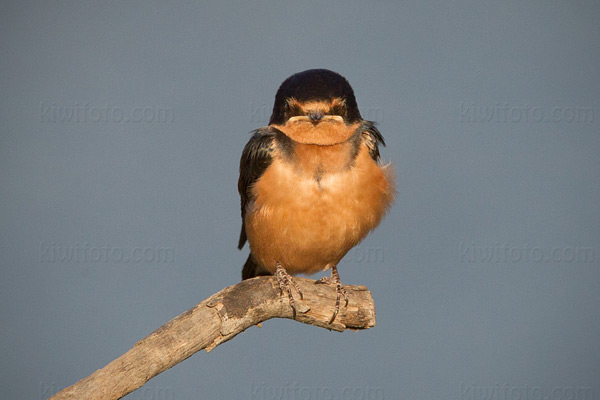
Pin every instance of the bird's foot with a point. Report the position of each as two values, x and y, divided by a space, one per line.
341 291
284 279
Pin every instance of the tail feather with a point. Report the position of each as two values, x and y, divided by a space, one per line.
252 269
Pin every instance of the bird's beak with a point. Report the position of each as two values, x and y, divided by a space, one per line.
315 116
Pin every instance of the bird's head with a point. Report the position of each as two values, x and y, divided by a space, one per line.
316 106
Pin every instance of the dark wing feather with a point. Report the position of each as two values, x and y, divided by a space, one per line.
372 139
256 157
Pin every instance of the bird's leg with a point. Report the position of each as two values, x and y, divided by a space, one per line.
284 279
341 291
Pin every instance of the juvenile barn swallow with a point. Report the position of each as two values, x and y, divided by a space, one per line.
311 183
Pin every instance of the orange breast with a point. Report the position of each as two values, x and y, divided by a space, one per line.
309 224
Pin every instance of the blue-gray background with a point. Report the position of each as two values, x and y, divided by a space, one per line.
122 123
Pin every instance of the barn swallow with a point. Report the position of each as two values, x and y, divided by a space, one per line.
311 183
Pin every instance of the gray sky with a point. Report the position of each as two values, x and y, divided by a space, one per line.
122 127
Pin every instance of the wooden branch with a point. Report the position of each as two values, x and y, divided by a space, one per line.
217 320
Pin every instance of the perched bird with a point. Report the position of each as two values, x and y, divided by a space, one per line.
311 184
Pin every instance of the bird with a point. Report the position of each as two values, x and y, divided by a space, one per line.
311 183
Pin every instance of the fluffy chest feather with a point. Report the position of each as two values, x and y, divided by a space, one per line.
311 209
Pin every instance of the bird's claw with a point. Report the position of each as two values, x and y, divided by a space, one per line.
341 291
284 279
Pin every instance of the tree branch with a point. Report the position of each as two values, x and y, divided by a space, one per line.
217 320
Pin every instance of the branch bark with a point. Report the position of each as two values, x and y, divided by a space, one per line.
217 320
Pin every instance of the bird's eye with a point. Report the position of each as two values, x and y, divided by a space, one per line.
292 110
338 110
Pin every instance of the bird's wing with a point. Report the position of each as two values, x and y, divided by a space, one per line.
256 157
373 139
